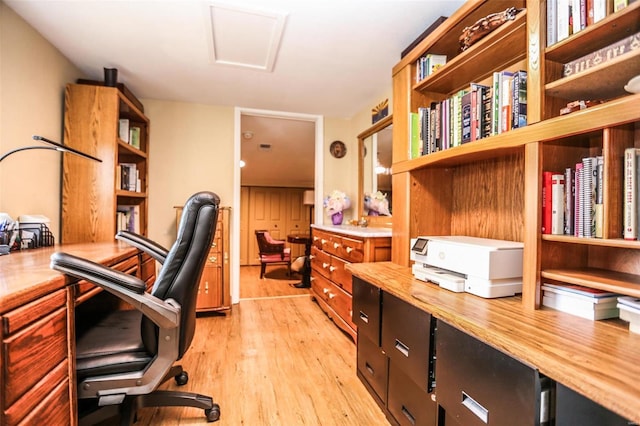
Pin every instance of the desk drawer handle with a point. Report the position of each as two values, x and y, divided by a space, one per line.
402 348
349 249
364 317
336 245
408 415
473 406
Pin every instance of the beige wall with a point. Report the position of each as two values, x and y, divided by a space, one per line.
191 149
33 75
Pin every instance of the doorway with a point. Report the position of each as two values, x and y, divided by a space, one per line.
265 152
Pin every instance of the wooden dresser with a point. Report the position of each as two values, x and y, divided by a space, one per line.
214 292
334 247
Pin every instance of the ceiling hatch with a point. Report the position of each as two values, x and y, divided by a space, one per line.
243 37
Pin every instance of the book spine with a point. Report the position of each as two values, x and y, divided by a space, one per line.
466 117
587 197
577 205
599 197
552 23
546 202
486 112
519 114
557 204
415 136
599 10
569 195
432 128
505 106
495 106
630 202
563 19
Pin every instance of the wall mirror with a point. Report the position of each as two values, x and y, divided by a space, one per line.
375 170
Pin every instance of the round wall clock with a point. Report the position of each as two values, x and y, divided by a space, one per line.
338 149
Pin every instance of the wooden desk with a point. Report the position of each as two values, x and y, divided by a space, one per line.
37 311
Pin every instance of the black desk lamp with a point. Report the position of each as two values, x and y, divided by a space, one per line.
55 146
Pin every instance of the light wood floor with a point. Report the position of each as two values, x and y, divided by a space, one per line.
276 359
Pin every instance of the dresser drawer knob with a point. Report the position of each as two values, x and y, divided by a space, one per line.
311 256
325 290
349 249
213 259
331 295
336 245
325 265
323 241
214 245
315 238
332 268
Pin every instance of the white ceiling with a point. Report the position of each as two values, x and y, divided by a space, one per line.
332 57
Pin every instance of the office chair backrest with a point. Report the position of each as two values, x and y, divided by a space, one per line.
180 274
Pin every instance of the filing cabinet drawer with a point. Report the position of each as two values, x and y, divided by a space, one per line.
407 336
32 353
372 367
480 385
367 309
575 409
409 404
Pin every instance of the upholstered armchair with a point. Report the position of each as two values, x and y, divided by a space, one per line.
272 252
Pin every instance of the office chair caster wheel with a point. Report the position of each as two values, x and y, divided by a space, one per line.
182 378
213 413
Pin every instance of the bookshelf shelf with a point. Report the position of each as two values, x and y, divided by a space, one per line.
602 82
603 242
596 36
503 47
602 279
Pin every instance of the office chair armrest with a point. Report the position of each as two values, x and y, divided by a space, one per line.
148 246
165 314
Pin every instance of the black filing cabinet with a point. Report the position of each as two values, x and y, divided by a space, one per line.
407 339
574 409
480 385
372 361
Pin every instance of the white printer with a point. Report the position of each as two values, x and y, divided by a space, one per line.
481 266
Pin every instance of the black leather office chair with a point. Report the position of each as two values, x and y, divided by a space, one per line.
121 361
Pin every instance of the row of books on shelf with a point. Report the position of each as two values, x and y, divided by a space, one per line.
129 133
128 218
428 64
572 200
568 17
471 114
128 177
593 304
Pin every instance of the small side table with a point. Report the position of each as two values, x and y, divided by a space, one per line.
306 272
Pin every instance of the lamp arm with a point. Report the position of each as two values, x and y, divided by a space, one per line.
56 147
24 148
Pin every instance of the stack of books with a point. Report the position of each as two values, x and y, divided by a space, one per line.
581 301
630 312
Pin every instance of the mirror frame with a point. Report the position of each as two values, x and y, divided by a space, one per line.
379 221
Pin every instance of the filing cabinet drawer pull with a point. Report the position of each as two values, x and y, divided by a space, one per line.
336 245
408 415
473 406
349 249
402 348
369 369
364 317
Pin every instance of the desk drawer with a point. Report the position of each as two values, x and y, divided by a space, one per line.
407 336
32 353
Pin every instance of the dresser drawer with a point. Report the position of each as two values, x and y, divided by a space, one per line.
350 249
367 310
321 239
340 275
32 353
340 301
372 366
407 336
321 262
408 403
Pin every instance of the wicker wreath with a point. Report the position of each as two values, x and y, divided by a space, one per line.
484 26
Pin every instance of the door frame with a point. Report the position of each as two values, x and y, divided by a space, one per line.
235 212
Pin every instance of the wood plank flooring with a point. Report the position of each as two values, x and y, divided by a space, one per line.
276 359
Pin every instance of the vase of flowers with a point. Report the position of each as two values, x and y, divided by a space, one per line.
376 204
335 204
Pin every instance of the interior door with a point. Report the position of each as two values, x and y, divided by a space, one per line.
267 210
297 219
